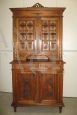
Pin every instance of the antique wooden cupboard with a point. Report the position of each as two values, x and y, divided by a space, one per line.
37 66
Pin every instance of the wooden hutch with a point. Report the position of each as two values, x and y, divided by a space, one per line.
37 66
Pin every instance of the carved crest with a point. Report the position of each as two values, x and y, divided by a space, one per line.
37 5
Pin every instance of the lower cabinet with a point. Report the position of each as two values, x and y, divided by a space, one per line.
37 88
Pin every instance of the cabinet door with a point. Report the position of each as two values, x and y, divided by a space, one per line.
48 88
50 37
24 37
26 88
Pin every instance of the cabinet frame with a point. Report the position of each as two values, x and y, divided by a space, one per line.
37 69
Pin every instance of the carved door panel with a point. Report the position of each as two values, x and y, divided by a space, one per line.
26 88
48 88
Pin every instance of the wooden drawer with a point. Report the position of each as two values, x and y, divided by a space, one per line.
44 67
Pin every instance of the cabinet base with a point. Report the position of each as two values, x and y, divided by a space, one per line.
15 106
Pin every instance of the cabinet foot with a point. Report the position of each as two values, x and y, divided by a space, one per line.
14 108
60 109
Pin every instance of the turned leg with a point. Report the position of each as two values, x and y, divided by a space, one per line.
14 108
60 109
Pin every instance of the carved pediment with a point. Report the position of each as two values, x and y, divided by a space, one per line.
37 5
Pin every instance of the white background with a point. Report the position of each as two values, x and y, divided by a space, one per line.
69 42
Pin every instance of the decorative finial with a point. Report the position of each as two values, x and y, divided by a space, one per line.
37 5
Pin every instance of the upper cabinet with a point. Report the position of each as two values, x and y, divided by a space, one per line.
37 31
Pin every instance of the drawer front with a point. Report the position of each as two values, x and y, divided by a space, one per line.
44 67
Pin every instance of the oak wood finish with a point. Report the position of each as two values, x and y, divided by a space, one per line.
37 66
